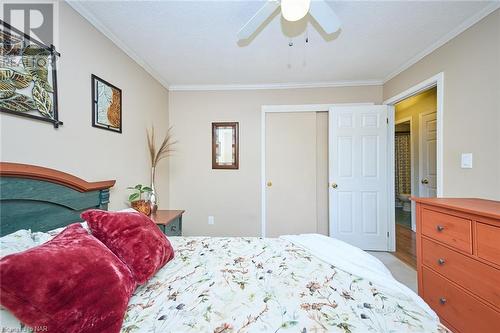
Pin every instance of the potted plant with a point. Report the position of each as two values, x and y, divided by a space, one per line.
137 200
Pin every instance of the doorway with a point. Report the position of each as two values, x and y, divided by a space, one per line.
415 156
437 82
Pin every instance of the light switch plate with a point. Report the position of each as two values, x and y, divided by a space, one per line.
466 161
211 220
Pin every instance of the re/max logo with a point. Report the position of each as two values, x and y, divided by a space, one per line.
34 19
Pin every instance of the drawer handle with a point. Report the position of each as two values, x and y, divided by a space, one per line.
439 228
442 300
441 261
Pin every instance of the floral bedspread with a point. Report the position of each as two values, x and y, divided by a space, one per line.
264 285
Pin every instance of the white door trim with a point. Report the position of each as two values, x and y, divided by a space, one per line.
284 108
412 168
438 82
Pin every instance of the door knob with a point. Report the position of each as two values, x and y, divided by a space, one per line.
425 181
269 184
334 185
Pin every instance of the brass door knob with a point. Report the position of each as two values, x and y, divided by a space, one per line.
334 185
424 181
269 184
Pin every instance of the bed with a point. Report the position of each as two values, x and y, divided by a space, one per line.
305 283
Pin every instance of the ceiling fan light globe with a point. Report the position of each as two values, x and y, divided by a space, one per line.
294 10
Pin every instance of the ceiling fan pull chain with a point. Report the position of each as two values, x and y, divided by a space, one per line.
304 61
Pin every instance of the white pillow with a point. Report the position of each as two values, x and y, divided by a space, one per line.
16 242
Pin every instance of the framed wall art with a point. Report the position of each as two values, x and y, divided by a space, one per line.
106 105
28 76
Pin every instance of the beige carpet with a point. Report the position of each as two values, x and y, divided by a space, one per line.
401 271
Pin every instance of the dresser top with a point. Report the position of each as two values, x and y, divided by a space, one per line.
488 208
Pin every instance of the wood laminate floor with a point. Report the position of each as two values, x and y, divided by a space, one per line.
406 248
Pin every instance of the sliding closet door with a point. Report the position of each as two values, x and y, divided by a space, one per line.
291 204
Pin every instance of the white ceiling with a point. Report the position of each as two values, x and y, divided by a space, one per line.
192 44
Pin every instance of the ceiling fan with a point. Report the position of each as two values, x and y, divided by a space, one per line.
293 10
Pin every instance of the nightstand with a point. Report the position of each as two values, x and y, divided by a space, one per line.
169 221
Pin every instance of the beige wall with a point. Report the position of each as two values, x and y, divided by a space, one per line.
471 66
76 147
412 108
233 197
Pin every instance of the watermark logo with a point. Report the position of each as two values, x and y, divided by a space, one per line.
38 19
24 329
28 59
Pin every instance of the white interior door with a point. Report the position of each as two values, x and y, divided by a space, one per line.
428 155
358 175
290 173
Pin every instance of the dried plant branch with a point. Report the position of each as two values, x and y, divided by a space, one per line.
151 143
166 148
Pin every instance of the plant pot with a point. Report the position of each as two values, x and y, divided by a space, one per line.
142 206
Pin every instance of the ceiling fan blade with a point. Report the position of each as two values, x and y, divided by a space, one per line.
325 16
256 21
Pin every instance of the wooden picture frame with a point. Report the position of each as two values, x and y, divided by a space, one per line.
225 145
106 105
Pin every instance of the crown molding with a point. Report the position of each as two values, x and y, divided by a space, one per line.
269 86
85 13
446 38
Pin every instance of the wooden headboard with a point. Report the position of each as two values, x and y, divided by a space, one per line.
42 199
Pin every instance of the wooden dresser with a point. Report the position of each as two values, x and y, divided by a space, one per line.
458 261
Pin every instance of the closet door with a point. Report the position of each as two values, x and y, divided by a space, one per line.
291 206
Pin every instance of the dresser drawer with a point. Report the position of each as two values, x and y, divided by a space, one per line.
452 230
488 242
453 305
481 279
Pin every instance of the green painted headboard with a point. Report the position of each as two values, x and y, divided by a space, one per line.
42 199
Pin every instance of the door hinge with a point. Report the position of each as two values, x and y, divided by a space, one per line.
387 234
387 120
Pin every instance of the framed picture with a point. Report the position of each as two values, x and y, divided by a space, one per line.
225 145
28 80
106 105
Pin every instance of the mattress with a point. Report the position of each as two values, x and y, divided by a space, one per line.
272 285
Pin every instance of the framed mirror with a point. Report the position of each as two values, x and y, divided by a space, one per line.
225 145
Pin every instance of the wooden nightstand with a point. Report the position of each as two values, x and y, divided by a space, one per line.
169 221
